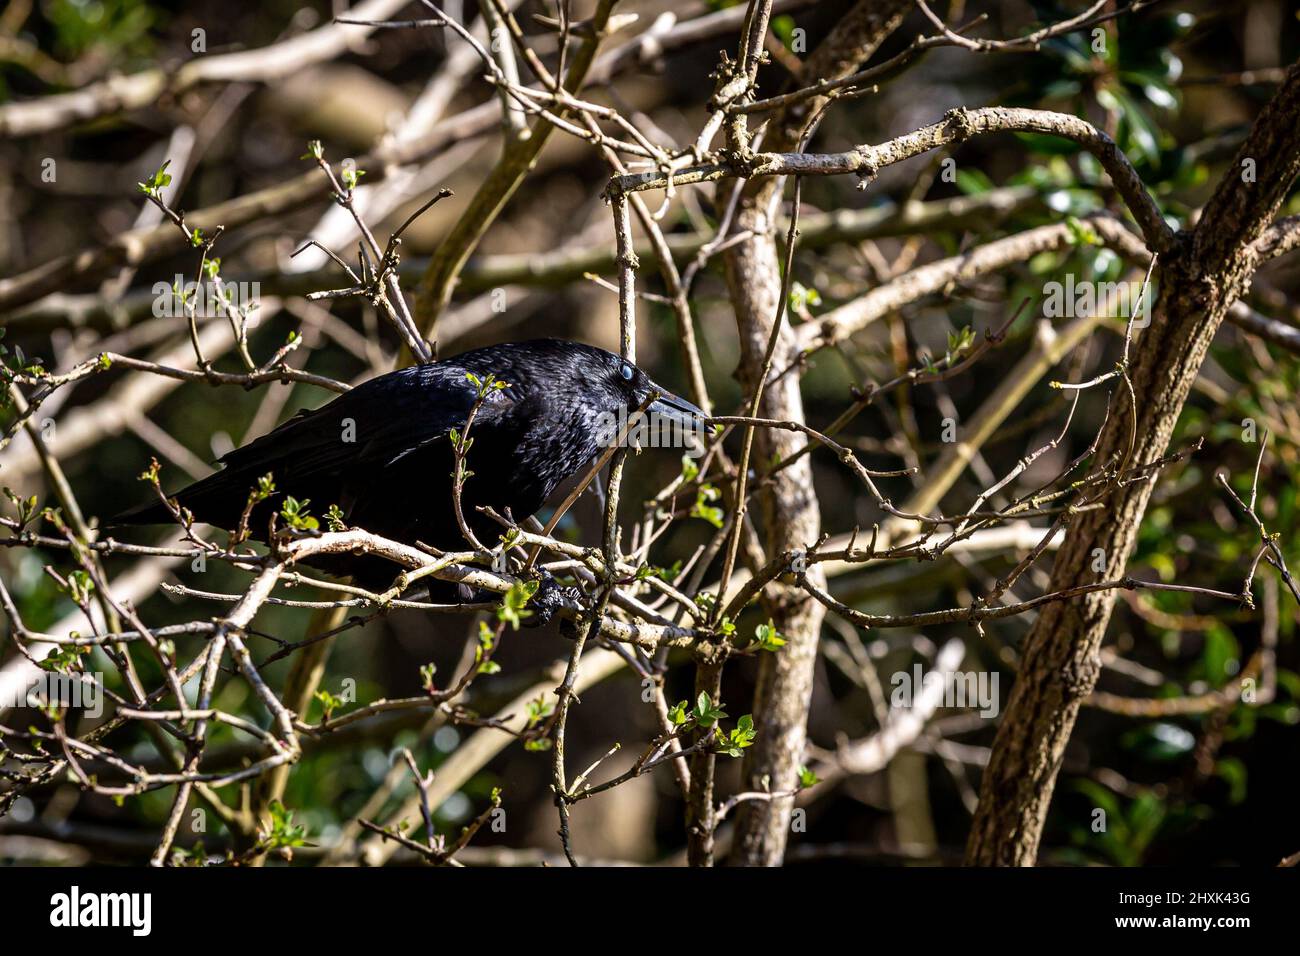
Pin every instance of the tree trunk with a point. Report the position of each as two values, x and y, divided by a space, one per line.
791 515
1200 278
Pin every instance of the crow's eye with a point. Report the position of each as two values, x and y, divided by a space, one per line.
627 372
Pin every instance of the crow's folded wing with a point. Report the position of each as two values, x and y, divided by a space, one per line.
370 426
366 429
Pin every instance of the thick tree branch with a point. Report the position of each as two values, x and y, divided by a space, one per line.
1199 280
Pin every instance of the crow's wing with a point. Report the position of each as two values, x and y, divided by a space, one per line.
370 426
360 432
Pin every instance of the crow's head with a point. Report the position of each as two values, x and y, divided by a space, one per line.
588 391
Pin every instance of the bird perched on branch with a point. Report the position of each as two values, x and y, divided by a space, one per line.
383 452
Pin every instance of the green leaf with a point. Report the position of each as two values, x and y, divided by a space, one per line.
329 703
282 832
334 519
707 714
65 660
539 708
741 737
296 516
1234 774
647 571
512 610
482 654
349 175
703 507
973 182
767 638
158 181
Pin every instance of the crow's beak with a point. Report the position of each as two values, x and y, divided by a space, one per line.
675 409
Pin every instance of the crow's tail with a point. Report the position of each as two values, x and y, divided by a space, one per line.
217 500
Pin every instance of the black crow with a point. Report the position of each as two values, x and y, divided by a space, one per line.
382 451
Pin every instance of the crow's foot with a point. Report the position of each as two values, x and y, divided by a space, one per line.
550 598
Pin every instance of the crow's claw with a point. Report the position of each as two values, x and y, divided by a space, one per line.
550 597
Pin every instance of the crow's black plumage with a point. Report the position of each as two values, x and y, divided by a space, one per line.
382 451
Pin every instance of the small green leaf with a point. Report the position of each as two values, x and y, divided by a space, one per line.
512 610
703 508
157 182
334 519
295 514
767 638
